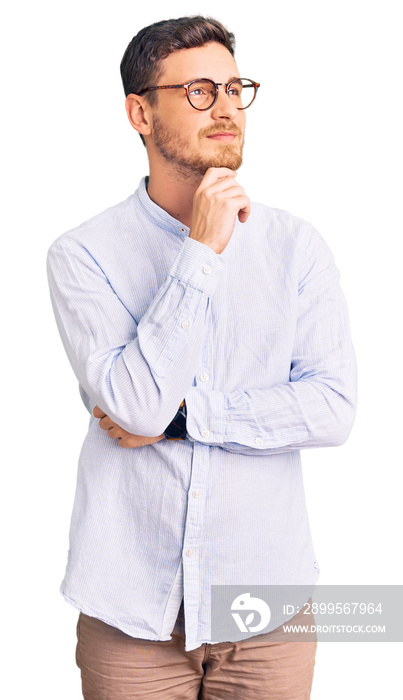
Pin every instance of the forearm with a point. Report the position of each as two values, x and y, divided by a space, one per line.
292 416
137 374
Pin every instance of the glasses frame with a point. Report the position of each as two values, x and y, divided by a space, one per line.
186 86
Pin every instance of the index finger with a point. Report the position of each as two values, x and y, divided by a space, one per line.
213 174
98 412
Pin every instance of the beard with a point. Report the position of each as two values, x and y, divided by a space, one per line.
176 150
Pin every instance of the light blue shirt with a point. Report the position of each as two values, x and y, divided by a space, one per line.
257 341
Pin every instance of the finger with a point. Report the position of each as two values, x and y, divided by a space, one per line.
122 442
105 423
98 412
224 184
220 193
129 441
212 175
238 197
244 212
228 189
115 432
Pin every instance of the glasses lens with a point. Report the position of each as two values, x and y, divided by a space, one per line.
242 91
201 93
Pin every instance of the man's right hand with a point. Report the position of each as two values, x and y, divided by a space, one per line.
217 202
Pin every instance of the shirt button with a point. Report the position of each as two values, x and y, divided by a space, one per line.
207 270
196 494
183 229
205 433
190 552
258 441
185 324
204 377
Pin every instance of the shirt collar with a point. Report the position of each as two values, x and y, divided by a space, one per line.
158 215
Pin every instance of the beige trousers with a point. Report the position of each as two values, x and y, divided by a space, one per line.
115 666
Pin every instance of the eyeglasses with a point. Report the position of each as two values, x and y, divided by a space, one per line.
202 93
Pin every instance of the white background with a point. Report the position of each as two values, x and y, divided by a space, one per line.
324 142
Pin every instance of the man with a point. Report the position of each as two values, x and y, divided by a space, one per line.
210 339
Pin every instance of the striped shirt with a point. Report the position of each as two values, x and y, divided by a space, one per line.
257 341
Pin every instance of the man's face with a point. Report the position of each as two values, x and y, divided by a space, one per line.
191 140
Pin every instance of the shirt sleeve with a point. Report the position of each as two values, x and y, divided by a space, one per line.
316 407
138 374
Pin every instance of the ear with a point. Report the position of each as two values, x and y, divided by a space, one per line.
137 110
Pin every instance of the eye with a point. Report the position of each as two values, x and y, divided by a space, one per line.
202 88
235 90
197 92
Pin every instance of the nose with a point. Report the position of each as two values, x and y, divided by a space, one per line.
224 107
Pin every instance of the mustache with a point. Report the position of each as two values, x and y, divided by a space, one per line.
220 129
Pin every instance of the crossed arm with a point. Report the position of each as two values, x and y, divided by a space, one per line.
138 379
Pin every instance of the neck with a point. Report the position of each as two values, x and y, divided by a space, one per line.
173 190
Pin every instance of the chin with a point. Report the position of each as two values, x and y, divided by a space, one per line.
230 160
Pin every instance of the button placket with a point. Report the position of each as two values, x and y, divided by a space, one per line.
197 497
192 535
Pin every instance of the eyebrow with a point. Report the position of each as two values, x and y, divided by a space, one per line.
235 77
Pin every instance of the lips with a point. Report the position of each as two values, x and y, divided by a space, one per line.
222 136
219 132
